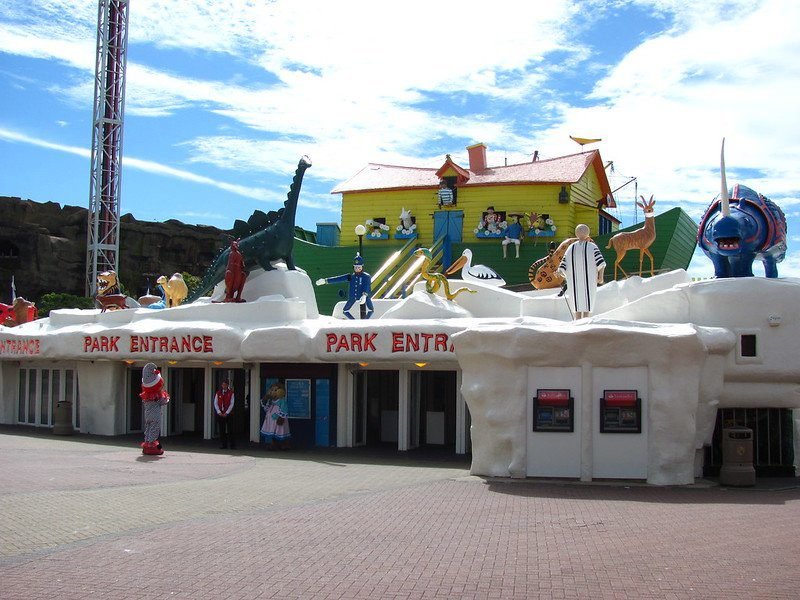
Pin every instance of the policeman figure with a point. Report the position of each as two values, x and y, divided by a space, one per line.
360 287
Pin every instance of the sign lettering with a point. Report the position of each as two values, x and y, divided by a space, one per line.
397 342
139 344
14 347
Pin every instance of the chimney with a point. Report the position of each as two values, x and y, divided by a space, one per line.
477 157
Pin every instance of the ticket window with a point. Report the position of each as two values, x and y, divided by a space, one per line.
620 412
553 410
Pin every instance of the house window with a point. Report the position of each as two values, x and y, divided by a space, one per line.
747 345
604 225
451 185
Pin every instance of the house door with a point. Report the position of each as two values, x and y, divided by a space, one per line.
448 224
322 413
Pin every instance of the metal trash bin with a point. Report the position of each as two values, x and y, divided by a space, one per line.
62 419
737 457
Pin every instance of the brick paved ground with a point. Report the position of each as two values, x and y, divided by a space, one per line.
86 518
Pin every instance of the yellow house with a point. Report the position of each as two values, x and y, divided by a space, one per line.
561 192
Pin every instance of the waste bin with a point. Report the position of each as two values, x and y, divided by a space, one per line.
62 419
737 457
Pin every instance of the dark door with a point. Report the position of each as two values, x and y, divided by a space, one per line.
447 225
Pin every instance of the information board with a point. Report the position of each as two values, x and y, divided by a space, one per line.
298 398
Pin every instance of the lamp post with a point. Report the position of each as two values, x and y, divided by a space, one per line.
360 231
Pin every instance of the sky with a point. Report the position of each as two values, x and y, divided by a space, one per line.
224 96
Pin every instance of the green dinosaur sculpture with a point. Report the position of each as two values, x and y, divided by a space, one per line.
273 240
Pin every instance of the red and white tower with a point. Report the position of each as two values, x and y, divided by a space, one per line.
107 126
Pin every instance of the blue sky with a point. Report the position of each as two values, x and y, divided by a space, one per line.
224 97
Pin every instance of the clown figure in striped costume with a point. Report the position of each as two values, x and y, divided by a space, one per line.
154 397
582 267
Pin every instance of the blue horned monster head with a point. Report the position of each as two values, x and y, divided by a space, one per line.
740 227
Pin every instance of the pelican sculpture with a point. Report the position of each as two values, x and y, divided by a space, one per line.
474 273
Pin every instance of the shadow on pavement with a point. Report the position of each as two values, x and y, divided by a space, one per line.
381 455
704 491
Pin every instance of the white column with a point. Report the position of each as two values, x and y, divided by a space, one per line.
166 375
403 389
461 418
344 407
208 392
255 402
587 423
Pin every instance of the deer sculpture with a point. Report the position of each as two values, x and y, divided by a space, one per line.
640 239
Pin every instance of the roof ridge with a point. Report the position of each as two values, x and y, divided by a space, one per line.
541 160
401 167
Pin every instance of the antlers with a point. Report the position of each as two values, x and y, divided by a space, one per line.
645 205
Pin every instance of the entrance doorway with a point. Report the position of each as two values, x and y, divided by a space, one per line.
239 381
135 415
773 440
432 409
186 388
375 411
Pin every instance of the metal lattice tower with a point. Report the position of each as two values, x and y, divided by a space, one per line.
107 126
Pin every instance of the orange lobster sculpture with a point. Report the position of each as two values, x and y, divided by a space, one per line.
18 312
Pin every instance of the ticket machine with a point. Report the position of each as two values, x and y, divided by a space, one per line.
620 412
553 410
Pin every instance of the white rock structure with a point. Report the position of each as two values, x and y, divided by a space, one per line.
633 392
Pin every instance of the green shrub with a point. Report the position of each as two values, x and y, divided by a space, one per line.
192 282
55 300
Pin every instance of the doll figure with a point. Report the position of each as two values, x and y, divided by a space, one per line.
359 288
445 194
275 428
582 267
513 233
154 397
491 221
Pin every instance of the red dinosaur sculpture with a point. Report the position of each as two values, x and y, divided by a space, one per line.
235 274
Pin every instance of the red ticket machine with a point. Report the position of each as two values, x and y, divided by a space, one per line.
553 410
620 412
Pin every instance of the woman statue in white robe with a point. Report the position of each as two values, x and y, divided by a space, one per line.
582 267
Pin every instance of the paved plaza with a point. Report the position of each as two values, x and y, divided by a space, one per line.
88 517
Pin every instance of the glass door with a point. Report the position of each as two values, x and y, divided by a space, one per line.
40 390
135 409
175 388
360 408
415 392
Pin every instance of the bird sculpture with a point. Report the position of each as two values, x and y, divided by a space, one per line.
474 273
584 141
435 281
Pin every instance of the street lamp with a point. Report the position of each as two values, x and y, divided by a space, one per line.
360 231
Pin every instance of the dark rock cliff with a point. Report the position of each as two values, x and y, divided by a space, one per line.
43 245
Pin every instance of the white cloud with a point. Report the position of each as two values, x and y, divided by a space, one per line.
345 72
663 110
347 84
262 194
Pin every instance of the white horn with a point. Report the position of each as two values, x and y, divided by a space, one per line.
726 207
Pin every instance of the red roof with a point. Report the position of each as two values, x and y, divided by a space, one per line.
563 169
